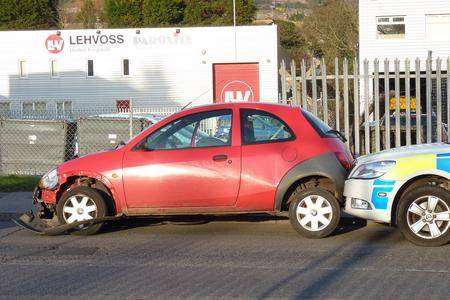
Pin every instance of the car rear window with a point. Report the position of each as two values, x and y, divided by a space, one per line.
321 128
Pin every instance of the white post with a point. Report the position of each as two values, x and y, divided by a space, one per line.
131 118
234 28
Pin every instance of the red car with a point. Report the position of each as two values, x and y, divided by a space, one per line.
215 159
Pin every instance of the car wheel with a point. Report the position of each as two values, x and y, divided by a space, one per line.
314 212
80 204
423 216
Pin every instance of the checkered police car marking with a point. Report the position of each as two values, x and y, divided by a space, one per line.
443 162
405 167
380 193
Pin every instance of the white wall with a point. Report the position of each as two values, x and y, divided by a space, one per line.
416 42
165 70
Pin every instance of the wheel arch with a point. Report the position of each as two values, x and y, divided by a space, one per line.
314 180
90 180
416 181
323 170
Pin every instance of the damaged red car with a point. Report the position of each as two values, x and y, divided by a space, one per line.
215 159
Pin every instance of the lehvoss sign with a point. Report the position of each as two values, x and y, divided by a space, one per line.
237 91
96 39
83 42
54 44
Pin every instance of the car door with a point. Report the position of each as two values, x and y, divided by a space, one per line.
190 162
268 149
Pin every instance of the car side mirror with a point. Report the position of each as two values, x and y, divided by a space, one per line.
141 147
120 144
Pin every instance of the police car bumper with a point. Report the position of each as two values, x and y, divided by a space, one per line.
358 195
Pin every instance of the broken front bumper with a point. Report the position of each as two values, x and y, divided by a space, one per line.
43 210
43 220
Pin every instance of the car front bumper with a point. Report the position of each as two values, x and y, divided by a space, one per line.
44 210
378 197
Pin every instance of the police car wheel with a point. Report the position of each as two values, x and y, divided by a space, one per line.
423 216
314 212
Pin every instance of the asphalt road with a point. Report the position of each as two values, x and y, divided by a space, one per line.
237 257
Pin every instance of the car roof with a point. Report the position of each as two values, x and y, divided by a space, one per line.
229 105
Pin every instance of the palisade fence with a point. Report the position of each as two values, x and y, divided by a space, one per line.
32 143
389 104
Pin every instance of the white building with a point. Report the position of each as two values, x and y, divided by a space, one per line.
403 29
41 70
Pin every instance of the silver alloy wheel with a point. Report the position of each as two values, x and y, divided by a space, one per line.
79 208
314 213
428 217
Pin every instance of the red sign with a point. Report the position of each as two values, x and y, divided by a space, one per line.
123 105
237 91
54 44
236 82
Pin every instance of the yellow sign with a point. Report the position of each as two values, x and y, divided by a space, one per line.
402 101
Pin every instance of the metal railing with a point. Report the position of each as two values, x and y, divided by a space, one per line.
377 105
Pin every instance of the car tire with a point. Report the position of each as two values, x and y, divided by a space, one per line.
308 218
81 203
423 216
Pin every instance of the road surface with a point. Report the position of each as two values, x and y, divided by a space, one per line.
222 257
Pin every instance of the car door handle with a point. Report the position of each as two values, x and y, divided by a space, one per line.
220 157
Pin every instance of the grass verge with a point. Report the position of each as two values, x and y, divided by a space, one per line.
15 183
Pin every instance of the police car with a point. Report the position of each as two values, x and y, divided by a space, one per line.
408 187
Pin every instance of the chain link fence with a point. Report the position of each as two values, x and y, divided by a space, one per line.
31 143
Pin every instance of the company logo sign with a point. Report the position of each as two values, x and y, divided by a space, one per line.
99 39
176 39
237 91
54 44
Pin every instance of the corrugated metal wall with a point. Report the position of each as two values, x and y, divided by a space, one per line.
168 66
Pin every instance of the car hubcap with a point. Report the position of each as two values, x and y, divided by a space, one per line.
79 208
314 213
428 217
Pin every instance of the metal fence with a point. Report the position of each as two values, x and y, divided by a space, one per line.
388 104
33 143
377 105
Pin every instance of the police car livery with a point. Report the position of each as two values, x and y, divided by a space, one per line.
408 187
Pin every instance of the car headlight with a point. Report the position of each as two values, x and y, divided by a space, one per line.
50 180
372 170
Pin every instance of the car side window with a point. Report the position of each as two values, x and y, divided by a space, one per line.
263 127
208 129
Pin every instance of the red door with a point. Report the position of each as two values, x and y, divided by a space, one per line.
236 82
190 162
268 150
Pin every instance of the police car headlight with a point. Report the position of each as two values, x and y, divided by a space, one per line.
50 180
372 170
